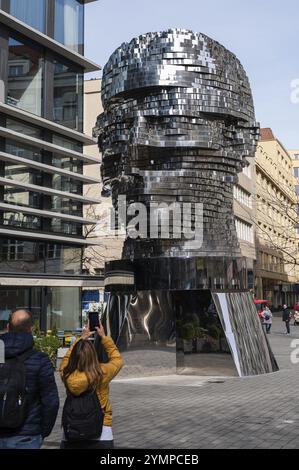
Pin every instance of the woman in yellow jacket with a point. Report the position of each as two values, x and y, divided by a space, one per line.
80 370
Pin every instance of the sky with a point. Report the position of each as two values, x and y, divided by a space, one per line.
264 34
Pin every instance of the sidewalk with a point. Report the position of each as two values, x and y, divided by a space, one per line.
197 413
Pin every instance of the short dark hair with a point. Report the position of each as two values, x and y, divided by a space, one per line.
22 326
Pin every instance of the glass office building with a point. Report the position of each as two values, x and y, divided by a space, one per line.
42 179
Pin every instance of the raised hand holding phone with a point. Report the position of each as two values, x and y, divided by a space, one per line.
100 330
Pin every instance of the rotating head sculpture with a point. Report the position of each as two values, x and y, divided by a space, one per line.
178 126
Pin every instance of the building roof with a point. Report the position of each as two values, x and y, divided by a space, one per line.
267 134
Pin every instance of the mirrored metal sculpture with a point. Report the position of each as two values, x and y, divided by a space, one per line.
177 128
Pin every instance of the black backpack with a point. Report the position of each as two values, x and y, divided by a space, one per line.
13 393
82 417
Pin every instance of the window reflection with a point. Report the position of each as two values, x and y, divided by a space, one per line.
63 308
22 150
31 12
68 95
18 255
21 256
69 24
13 298
22 197
20 220
63 183
66 206
67 163
63 259
25 77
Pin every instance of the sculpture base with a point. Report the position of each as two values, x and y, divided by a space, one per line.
196 273
193 332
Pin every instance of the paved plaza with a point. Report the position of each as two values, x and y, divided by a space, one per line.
204 413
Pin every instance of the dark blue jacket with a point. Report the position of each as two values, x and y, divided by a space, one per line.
41 385
286 314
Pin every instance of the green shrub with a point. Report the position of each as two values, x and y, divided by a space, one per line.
54 331
188 331
215 331
36 329
48 345
200 332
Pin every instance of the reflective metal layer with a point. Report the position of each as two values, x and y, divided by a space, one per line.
178 123
189 332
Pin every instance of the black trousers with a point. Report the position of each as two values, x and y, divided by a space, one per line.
288 326
87 445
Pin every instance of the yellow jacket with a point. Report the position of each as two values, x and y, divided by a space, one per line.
77 382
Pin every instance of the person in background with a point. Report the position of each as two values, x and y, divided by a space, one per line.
267 319
40 391
286 317
81 371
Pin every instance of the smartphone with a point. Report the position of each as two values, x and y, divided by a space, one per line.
93 320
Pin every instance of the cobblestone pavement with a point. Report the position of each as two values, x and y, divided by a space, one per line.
206 413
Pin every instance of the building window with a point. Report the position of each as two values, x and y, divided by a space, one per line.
67 163
69 24
296 172
243 196
63 307
68 95
66 206
39 257
12 250
296 156
247 171
25 77
18 219
22 149
31 12
63 259
244 231
297 189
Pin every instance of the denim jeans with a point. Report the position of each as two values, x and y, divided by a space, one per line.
21 442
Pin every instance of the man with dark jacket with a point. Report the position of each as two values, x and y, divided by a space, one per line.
286 317
43 400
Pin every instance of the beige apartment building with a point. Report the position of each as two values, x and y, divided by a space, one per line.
108 247
276 238
244 209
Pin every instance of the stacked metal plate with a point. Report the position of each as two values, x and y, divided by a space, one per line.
177 126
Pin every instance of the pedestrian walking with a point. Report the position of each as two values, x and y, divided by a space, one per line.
28 393
267 319
286 317
87 413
